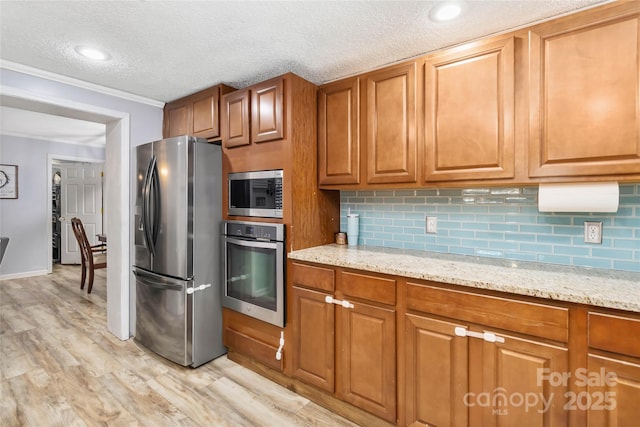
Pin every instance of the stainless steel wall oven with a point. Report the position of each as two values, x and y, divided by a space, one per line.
253 263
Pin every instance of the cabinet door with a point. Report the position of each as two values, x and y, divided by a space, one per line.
391 125
518 378
584 86
613 394
469 113
366 364
436 378
235 126
177 120
313 331
206 117
338 133
267 111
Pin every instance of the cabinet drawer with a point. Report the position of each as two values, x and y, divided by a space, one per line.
518 316
614 333
313 277
372 288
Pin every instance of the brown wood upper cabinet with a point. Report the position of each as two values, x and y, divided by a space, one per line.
584 85
254 114
339 132
235 128
267 111
469 113
197 114
389 99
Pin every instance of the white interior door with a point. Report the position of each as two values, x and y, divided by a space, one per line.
81 197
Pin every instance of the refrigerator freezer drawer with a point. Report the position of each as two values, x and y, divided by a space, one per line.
164 316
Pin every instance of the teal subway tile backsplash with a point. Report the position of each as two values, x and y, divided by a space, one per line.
501 222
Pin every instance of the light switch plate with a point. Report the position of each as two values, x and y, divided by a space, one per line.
593 232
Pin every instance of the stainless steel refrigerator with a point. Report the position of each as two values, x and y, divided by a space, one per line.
177 249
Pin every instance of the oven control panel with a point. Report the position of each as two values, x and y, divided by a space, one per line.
253 230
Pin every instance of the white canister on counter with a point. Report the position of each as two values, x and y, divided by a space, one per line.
353 228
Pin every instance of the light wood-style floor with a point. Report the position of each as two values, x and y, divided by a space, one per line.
61 367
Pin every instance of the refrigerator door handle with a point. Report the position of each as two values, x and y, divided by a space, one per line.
146 202
155 185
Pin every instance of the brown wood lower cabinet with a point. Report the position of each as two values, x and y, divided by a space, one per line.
454 380
422 353
612 397
366 358
348 349
313 328
437 374
517 375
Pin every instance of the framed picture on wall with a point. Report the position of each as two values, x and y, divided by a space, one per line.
8 181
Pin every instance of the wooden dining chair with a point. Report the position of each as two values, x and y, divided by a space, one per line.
92 257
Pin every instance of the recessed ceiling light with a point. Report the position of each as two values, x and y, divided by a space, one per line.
92 53
446 11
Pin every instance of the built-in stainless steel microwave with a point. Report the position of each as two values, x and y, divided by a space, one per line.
256 194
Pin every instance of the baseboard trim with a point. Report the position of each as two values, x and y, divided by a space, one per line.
23 275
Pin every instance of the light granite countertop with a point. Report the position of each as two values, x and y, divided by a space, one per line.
598 287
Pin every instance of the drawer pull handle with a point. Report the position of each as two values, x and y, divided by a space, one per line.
330 300
487 336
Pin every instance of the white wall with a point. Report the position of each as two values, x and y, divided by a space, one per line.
128 118
24 220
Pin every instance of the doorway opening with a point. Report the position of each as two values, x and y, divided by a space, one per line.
117 192
76 191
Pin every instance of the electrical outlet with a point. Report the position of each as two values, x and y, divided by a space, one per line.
593 232
431 225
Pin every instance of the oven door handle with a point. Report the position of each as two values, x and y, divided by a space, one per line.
253 243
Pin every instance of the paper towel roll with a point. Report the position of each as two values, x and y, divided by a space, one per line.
579 197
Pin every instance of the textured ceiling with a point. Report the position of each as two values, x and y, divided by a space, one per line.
164 50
